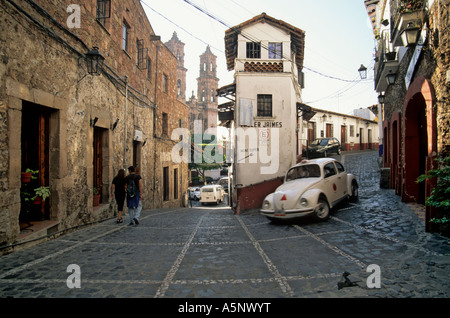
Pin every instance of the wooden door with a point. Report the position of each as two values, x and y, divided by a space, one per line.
329 130
98 162
343 135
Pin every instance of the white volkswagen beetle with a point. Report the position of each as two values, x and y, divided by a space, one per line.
311 187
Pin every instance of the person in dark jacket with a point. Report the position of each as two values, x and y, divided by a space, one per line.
133 199
118 191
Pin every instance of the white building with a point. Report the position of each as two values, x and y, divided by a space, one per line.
267 56
353 132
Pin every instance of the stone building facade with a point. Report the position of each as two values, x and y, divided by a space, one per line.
412 76
77 130
177 48
203 107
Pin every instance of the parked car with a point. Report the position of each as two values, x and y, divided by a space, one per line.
211 193
224 183
322 147
311 187
194 194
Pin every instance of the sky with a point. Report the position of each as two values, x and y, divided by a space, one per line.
338 40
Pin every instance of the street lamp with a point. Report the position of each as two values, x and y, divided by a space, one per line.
381 98
362 72
390 78
94 61
409 34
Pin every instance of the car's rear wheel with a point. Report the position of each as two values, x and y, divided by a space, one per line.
322 212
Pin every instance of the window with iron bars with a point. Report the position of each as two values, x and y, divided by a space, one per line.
103 10
264 105
253 50
125 31
141 53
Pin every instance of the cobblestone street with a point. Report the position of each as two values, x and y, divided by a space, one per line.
209 252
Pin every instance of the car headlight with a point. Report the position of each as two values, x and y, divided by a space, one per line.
266 204
303 202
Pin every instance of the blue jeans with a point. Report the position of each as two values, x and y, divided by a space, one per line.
138 210
135 213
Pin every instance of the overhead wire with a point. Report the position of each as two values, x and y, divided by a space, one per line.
338 93
306 48
254 39
180 27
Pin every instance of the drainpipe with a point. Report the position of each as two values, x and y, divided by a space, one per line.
125 125
154 126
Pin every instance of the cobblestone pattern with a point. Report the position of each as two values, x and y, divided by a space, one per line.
209 252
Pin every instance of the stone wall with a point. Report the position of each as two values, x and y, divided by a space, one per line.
433 64
42 64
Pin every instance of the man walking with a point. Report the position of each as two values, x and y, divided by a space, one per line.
133 186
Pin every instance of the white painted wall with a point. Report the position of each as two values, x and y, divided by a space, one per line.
352 135
274 149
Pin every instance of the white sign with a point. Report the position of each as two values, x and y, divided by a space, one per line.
138 135
415 57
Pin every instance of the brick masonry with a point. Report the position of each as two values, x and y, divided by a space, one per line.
42 64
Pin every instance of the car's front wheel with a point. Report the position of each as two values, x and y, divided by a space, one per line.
322 211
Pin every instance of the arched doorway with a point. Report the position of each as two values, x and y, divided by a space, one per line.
419 142
395 171
415 140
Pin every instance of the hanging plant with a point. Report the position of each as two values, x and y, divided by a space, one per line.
407 6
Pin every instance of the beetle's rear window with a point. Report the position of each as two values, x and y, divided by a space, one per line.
305 171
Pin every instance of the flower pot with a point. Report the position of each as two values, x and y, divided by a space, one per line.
37 201
390 56
26 177
96 200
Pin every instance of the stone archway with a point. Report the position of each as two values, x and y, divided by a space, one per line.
419 141
415 145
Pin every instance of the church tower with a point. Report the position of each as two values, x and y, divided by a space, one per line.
177 48
207 85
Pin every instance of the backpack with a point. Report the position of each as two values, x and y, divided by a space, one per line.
131 188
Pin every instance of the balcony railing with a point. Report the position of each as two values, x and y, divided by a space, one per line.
405 6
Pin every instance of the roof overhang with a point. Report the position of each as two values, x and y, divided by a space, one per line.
297 38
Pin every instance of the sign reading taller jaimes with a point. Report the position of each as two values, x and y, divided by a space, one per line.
267 56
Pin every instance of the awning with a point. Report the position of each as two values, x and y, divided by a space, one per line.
306 112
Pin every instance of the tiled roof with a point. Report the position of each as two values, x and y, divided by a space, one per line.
297 38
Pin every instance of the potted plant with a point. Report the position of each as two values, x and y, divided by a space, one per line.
390 56
96 196
42 193
28 175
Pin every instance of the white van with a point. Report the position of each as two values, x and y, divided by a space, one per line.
211 193
224 183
